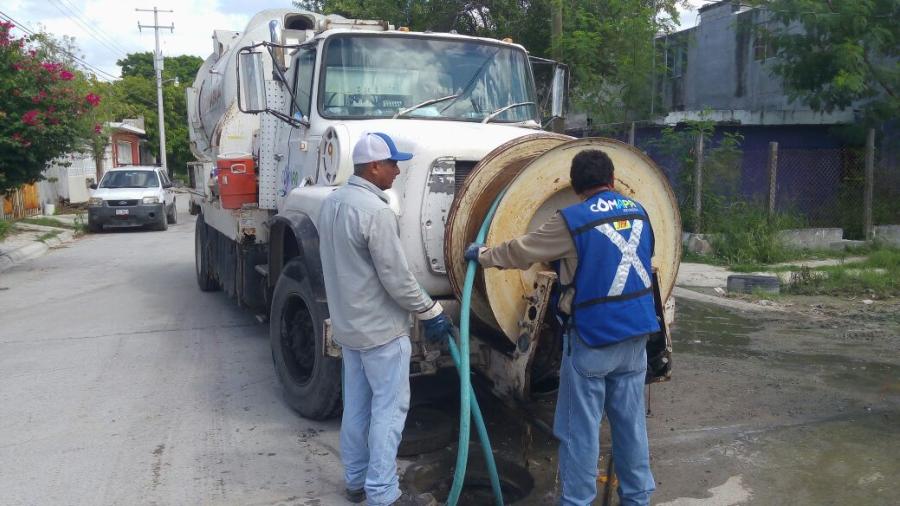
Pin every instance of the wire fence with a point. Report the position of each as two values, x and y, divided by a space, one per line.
821 187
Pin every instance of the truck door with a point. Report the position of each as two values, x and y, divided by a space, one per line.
297 145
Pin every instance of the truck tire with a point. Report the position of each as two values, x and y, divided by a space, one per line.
201 258
311 381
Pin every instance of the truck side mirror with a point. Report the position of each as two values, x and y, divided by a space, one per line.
93 186
251 83
551 80
559 91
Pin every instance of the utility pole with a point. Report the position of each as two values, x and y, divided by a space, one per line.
158 67
869 188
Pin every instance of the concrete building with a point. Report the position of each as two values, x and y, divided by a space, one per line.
724 66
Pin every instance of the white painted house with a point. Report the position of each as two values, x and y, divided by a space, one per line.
69 176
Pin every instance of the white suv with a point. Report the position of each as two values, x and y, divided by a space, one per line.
132 196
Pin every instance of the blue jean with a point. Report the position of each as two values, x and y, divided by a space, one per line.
376 399
591 381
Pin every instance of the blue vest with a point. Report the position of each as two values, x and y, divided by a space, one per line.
614 281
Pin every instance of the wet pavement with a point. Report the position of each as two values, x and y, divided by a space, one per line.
763 409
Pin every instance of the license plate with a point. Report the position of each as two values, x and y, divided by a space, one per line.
121 212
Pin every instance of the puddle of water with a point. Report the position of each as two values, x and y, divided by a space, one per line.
707 330
730 493
845 371
834 462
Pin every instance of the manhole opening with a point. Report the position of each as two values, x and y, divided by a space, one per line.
436 477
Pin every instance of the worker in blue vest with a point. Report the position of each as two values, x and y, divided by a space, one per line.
601 249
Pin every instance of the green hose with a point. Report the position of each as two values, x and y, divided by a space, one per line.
467 396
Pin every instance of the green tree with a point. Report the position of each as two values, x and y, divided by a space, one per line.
138 84
834 53
43 104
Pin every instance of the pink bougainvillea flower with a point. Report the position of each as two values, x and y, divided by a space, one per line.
92 99
65 75
30 117
97 128
51 67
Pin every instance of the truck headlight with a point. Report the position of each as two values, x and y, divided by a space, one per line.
150 200
95 202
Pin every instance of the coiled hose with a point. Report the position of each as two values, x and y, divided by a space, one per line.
468 404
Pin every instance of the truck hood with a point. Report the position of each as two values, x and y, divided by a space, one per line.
428 139
126 193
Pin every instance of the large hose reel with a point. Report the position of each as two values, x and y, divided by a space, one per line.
534 170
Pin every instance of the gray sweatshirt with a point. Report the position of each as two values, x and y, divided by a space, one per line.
371 291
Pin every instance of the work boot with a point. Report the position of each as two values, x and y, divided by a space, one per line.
407 499
355 496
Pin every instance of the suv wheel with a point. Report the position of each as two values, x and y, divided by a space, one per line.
172 217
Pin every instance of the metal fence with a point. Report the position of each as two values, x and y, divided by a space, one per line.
816 186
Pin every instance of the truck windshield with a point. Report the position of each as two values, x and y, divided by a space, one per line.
380 76
130 179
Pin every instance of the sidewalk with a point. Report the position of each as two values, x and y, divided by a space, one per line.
707 283
28 241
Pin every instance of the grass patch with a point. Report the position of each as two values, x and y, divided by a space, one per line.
47 222
745 234
81 226
49 235
5 229
876 276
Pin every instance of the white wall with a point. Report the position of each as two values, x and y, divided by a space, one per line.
72 180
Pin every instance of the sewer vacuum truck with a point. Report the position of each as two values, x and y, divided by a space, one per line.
274 113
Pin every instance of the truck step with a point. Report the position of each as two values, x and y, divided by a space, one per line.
262 269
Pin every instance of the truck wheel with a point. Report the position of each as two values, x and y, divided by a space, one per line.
201 258
311 381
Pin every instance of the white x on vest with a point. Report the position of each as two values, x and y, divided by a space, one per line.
629 256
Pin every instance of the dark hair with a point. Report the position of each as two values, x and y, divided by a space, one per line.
590 168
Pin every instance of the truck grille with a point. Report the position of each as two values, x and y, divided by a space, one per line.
463 169
121 203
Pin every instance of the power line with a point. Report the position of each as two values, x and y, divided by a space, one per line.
85 64
88 30
102 35
97 71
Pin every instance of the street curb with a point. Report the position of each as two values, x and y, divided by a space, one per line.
22 254
34 249
739 305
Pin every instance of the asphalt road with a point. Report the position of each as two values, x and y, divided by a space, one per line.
122 383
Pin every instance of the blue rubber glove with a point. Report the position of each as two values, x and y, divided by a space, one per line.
472 251
437 329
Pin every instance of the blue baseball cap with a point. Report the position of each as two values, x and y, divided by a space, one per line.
377 146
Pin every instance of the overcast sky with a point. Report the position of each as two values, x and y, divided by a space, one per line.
106 30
